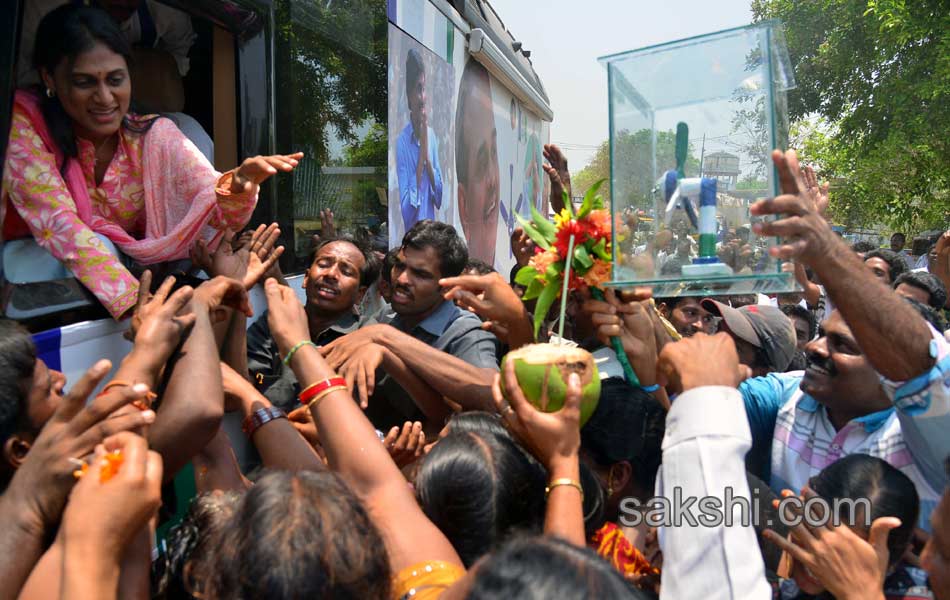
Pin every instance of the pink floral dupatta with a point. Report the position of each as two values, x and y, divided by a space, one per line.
179 191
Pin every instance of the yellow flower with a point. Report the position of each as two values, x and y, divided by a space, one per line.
562 218
598 274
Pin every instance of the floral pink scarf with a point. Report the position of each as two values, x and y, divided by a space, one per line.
175 216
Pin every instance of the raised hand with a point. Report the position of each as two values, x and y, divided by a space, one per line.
808 237
42 482
521 246
107 515
225 261
491 298
359 370
343 348
327 225
817 192
551 437
160 320
633 324
258 169
405 445
845 564
262 255
223 292
558 174
285 316
699 361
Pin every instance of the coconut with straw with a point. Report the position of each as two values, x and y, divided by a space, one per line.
573 252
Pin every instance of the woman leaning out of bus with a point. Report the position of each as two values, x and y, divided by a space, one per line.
82 171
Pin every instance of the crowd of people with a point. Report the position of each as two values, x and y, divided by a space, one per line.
387 454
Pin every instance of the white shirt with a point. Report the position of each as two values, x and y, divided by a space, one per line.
707 437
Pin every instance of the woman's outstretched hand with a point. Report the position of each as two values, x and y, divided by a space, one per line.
258 169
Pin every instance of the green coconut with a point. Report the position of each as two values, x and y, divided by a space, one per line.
544 368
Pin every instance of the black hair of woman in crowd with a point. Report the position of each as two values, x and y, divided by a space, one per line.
191 543
478 489
539 568
299 535
890 492
17 362
486 423
64 34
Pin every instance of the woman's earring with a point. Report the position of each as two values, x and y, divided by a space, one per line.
50 93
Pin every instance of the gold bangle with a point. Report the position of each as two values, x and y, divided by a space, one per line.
320 396
564 481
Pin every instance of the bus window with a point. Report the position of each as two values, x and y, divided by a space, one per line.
330 84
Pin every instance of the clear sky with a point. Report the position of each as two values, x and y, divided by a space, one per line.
566 37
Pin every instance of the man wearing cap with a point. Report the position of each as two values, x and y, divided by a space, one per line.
877 379
764 336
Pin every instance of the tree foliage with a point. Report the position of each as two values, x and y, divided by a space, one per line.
332 58
635 181
873 104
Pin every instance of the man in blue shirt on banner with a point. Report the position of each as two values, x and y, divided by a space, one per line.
417 152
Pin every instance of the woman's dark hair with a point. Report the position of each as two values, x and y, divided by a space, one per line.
17 364
628 425
538 568
191 542
485 423
299 535
889 492
479 422
63 34
479 488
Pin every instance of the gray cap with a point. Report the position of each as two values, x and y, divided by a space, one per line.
763 326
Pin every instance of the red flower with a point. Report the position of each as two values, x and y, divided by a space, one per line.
562 241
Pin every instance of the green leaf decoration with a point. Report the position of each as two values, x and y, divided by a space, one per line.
534 290
589 199
583 259
568 204
526 275
533 233
548 295
554 270
600 249
544 227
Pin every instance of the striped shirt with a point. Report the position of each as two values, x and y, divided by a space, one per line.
794 429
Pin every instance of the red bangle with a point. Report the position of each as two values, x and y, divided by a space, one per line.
314 389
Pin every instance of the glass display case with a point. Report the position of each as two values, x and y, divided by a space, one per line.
692 127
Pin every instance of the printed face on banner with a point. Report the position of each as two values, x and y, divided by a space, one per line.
465 152
421 148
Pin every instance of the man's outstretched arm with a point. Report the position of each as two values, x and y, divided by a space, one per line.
890 332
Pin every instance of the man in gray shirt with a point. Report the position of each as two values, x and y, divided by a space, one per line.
428 349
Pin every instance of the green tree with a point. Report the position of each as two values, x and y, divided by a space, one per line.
876 74
635 182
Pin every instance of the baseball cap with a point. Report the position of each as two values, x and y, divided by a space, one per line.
764 327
